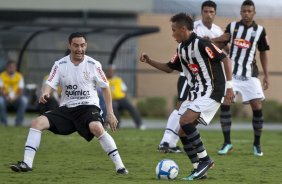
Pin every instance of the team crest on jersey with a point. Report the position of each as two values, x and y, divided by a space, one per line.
86 75
210 52
241 43
193 68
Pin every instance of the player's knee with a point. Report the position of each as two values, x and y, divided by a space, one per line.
40 123
96 128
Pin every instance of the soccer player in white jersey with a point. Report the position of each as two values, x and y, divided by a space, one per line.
200 60
245 38
204 28
78 76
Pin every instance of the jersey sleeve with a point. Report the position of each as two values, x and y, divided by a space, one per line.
263 42
53 79
100 77
175 63
211 51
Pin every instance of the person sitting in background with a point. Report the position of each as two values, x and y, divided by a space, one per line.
120 100
11 93
53 100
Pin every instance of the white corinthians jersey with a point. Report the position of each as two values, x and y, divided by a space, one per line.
202 31
77 82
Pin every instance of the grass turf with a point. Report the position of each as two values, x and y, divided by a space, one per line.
70 159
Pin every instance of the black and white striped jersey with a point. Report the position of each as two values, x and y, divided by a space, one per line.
200 60
244 41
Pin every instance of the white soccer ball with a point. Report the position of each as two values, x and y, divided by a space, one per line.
167 169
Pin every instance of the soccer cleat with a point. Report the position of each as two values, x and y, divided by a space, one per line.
122 171
21 166
191 176
202 169
164 147
226 148
176 149
257 151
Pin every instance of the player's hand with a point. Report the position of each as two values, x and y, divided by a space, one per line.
144 58
228 99
43 98
112 121
265 83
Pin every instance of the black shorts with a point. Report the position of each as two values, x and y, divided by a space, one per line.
64 120
182 88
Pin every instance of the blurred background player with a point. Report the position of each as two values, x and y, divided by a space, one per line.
120 100
244 37
12 93
204 28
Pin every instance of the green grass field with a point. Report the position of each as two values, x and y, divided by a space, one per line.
70 159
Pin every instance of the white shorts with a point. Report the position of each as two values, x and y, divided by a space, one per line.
249 89
206 106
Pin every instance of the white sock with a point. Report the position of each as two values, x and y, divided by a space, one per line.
172 128
31 146
109 146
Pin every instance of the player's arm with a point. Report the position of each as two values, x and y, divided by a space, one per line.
110 118
264 64
45 94
228 73
161 66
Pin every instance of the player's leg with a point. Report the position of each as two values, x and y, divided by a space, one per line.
32 144
3 110
21 106
225 121
91 116
253 93
125 104
257 126
108 144
170 137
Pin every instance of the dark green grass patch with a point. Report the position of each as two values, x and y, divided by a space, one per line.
70 159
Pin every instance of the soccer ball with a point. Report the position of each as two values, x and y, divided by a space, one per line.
167 169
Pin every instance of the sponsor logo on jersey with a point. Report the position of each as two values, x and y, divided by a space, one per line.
209 52
241 43
73 92
53 73
194 68
102 75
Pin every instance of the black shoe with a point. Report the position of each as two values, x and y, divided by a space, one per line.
164 147
202 168
20 167
176 149
191 176
122 171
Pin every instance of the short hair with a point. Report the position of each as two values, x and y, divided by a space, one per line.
248 3
209 4
76 35
11 62
184 20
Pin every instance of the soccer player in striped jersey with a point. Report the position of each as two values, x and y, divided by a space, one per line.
204 28
200 60
245 37
78 76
